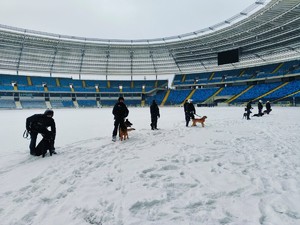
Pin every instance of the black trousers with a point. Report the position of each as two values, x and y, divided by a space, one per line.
118 122
153 122
248 114
187 119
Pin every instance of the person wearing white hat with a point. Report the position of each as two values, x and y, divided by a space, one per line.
190 111
268 107
260 107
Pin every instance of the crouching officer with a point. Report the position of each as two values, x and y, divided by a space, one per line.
38 124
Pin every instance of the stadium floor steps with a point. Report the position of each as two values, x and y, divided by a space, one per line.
277 68
208 100
269 92
238 95
165 98
287 96
189 96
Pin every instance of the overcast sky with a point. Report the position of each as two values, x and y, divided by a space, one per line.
118 19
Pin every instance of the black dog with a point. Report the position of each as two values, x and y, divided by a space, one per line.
258 115
127 123
245 113
43 147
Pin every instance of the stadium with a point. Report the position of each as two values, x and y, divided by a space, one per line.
261 54
251 56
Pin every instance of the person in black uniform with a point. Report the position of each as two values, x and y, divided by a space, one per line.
268 107
187 118
38 124
190 111
248 109
120 112
154 111
260 107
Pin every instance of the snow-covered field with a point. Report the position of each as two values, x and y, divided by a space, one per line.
232 171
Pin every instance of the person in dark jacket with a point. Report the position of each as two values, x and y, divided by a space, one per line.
190 111
268 107
38 124
154 111
187 118
260 107
120 112
248 109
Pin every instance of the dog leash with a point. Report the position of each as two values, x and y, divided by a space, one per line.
196 114
26 135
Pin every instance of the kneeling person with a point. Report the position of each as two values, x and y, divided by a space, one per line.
38 124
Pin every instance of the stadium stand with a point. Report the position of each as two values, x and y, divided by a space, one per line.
7 104
268 64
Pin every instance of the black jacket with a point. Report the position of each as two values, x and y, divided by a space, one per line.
268 106
248 107
260 106
120 110
185 107
154 110
39 122
190 108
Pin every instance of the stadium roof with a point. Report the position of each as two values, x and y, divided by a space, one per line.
268 35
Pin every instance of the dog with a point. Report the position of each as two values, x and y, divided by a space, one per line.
245 113
123 131
199 120
258 115
43 147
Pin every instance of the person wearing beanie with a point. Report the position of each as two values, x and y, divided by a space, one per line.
248 109
38 124
260 107
120 112
268 107
190 111
154 111
187 117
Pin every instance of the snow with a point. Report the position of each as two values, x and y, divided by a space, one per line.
232 171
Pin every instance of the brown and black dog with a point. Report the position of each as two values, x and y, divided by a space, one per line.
123 131
199 120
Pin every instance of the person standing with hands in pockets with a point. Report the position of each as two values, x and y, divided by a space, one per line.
154 111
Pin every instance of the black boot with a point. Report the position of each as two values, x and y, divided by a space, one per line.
52 150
